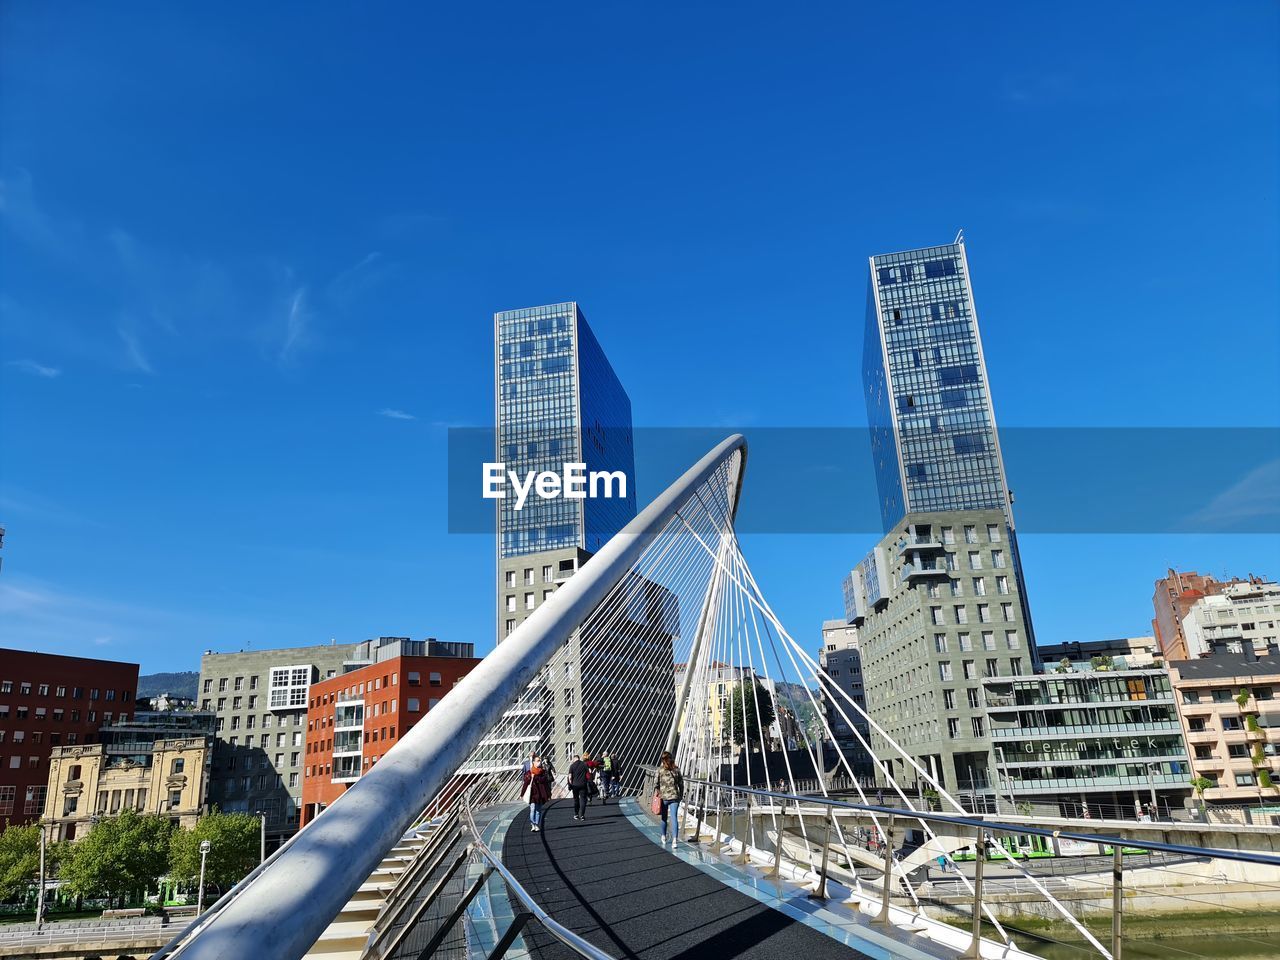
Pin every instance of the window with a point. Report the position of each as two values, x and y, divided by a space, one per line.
935 592
984 612
953 727
415 678
979 586
949 699
993 532
413 705
1006 612
177 766
547 575
253 682
988 640
936 614
1245 779
944 670
961 614
966 643
1015 666
973 697
956 589
43 690
993 668
222 684
970 533
940 642
1002 584
1190 696
528 576
528 601
510 625
511 603
948 535
25 688
239 684
1011 639
975 560
977 727
970 670
997 559
511 578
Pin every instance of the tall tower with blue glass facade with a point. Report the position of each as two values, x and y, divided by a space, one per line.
559 401
933 429
933 426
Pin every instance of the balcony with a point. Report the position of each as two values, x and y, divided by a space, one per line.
928 570
922 544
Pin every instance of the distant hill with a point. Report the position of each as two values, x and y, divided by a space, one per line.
179 684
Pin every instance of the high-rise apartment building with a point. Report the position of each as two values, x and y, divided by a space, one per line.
559 401
933 427
938 610
259 699
1175 594
49 701
386 686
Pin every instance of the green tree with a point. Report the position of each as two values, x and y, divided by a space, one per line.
748 710
1200 785
233 852
20 859
121 857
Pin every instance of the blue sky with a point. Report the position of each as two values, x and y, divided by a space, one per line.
249 257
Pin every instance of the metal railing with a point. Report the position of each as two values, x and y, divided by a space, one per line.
710 800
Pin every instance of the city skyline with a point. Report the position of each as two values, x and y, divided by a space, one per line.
225 405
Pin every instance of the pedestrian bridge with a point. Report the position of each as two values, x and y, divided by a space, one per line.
429 853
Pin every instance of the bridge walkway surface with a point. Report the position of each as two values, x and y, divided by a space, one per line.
611 884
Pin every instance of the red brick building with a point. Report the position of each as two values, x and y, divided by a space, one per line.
46 701
353 719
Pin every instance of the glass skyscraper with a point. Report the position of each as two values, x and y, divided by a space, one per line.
933 430
559 401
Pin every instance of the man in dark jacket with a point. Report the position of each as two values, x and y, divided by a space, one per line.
578 786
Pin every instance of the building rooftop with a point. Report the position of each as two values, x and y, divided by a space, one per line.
1225 666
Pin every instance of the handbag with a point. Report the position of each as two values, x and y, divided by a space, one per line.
656 806
524 797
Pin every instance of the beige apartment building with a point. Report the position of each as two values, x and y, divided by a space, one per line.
87 782
1229 705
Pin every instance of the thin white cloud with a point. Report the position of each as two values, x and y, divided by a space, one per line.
295 326
1250 505
33 368
137 360
395 414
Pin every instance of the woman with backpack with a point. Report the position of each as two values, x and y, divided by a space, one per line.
537 791
670 791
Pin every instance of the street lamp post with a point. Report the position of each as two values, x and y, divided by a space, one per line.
1151 781
40 896
262 838
205 847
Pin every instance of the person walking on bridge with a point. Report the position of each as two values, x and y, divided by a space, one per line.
537 790
670 792
578 772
